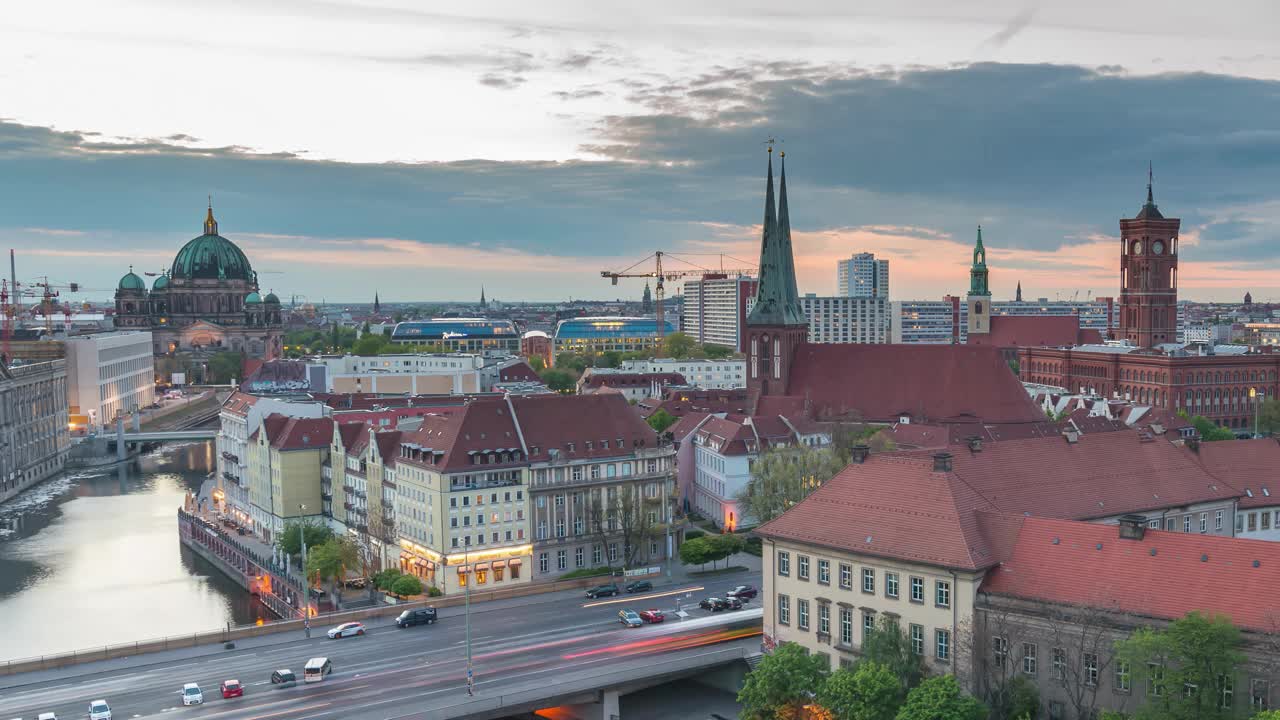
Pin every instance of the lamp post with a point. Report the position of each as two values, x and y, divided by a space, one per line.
1253 395
466 560
302 537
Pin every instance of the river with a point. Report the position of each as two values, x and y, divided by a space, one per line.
92 558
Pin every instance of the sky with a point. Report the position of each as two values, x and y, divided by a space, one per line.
423 151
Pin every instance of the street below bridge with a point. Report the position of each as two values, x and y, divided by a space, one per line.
418 672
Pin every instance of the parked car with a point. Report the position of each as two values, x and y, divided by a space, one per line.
98 710
652 615
350 629
191 694
602 591
232 688
284 678
743 592
420 616
639 586
715 604
629 618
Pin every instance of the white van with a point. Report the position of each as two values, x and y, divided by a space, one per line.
316 669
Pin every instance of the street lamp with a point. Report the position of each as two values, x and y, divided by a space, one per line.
466 560
302 536
1253 395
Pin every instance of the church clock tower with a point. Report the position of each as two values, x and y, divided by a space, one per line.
979 301
1149 276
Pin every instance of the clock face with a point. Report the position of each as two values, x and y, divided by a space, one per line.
1137 247
1157 247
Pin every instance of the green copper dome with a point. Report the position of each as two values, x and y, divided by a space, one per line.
161 283
271 299
253 298
132 282
211 257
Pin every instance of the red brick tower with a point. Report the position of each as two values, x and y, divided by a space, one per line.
1149 276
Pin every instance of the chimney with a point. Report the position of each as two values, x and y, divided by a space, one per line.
942 462
1072 436
975 443
860 453
1133 527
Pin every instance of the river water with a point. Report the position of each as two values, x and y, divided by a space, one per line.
92 558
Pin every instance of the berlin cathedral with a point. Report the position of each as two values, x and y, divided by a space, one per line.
206 302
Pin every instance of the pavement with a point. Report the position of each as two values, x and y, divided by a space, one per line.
389 672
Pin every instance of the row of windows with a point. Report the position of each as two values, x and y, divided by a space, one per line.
892 581
942 645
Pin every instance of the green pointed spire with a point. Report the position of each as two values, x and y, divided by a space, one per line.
777 299
978 273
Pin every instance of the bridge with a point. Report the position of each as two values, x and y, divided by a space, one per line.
169 435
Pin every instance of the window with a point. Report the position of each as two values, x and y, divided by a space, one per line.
1186 523
613 552
1155 686
1239 523
802 614
846 576
824 572
1217 520
1059 665
917 639
942 594
1204 522
1090 661
1253 522
1266 520
943 649
1056 711
917 590
868 624
578 559
1259 694
1029 658
597 555
846 626
824 619
1122 676
544 563
803 572
868 580
1171 524
1000 650
784 609
891 585
541 501
560 527
1226 692
560 500
562 560
784 563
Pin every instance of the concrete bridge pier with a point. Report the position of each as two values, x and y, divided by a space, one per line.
122 451
606 707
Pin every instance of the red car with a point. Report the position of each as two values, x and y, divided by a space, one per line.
232 688
652 615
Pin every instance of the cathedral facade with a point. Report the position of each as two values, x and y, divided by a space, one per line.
208 301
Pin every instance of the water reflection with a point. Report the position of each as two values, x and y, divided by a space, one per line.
93 558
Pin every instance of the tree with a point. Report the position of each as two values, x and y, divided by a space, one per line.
572 362
610 359
1267 715
290 543
660 420
223 367
678 345
330 560
385 579
886 644
537 363
560 381
1086 630
940 698
622 513
724 546
1021 700
406 585
1269 416
784 681
782 477
869 691
1187 661
717 352
369 345
1210 431
697 551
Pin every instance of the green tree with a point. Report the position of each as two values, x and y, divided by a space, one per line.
1188 660
1020 700
782 477
290 543
869 691
1269 416
610 359
537 363
406 585
886 644
1267 715
717 352
572 362
1209 431
558 380
678 345
696 551
660 420
370 345
223 367
330 561
385 579
940 698
724 546
784 681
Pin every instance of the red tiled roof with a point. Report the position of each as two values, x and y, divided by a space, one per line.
727 437
914 436
687 424
518 372
483 427
938 383
1248 465
1010 331
291 433
239 403
1213 575
682 401
593 424
632 379
349 433
862 510
388 443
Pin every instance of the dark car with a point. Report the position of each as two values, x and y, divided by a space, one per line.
284 678
639 586
602 591
743 592
717 604
420 616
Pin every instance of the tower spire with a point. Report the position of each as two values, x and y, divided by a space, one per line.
1150 176
210 225
978 273
1018 297
777 300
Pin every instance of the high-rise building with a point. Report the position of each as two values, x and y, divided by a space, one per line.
862 276
716 308
109 374
1149 276
929 322
34 441
844 319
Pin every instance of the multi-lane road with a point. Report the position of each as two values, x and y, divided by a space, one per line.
389 672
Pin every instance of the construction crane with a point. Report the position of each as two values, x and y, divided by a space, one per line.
662 275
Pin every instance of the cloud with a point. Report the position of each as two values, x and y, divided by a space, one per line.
1016 25
502 82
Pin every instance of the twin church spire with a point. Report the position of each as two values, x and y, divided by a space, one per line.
777 295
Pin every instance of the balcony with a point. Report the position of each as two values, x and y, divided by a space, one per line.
326 496
348 489
348 506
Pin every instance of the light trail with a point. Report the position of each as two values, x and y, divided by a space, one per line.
638 598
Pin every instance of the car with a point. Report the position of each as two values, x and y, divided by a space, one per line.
639 586
191 694
743 592
99 710
714 604
231 688
602 591
284 678
420 616
350 629
652 615
629 618
47 716
241 531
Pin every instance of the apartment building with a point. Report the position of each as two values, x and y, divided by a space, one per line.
34 441
842 319
241 414
285 459
413 374
716 308
703 374
863 276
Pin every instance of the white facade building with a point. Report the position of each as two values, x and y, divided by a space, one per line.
863 276
706 374
109 374
414 374
843 319
715 309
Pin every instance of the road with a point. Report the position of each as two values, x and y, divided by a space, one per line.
389 672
